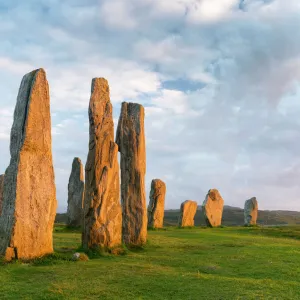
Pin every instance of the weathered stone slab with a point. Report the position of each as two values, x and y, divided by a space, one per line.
188 211
102 208
75 194
250 211
29 199
131 141
156 207
213 208
1 191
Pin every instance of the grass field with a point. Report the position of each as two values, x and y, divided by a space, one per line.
196 263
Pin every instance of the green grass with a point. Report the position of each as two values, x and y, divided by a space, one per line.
196 263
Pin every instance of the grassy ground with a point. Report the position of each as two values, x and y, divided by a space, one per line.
197 263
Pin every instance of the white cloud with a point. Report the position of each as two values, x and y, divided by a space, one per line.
211 10
118 14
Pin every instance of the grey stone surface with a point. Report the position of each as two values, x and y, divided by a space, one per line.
75 194
250 211
1 191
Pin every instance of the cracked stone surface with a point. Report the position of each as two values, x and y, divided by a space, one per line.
102 209
250 211
156 207
131 141
29 198
213 208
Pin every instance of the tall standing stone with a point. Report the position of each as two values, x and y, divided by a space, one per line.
250 211
131 141
156 207
29 204
1 191
188 211
75 194
213 208
102 208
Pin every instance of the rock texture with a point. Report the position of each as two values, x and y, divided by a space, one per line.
75 194
156 207
250 211
188 211
102 208
131 141
213 208
29 204
1 191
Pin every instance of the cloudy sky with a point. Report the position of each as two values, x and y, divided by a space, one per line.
219 80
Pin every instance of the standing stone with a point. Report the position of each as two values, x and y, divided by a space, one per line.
188 211
29 204
102 208
156 207
250 211
75 194
131 141
213 208
1 191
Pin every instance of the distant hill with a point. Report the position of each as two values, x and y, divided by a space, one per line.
232 216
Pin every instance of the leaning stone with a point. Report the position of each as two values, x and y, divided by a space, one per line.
1 191
75 194
102 208
29 199
250 211
156 207
188 211
131 141
213 208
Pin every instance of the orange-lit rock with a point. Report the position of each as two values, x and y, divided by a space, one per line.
188 211
213 208
131 141
156 207
29 198
102 208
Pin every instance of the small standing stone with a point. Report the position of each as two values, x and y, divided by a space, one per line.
29 199
75 194
250 211
213 208
156 207
188 211
131 141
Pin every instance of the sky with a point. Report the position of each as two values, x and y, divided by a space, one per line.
219 80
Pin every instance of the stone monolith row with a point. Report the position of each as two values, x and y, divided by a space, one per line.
75 194
29 199
188 211
156 207
250 211
131 141
102 210
1 191
213 208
